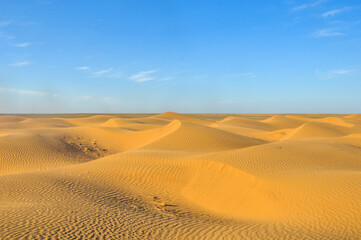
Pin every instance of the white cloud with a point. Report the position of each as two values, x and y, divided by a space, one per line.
333 12
334 73
24 92
25 44
165 79
19 64
107 100
109 73
83 98
116 74
28 23
5 36
340 72
143 76
242 75
5 23
83 68
327 33
102 72
309 5
34 93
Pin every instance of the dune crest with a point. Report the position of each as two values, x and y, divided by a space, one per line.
314 129
354 116
283 122
182 117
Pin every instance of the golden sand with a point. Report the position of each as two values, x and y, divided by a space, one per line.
180 176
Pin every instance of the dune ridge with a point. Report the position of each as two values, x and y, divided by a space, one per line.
180 176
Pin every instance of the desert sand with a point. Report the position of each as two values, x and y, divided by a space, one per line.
180 176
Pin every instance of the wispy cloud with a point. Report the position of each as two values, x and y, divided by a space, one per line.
25 44
109 100
4 23
24 92
92 99
20 63
33 93
309 5
83 98
327 32
334 73
335 11
101 72
143 76
109 73
28 23
116 74
5 36
83 68
242 75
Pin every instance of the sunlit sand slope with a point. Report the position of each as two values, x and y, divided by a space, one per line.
180 176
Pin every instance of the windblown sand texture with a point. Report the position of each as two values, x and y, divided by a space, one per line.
180 176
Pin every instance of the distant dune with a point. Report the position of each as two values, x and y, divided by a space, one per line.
180 176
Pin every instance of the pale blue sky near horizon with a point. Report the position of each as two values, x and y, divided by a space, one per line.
116 56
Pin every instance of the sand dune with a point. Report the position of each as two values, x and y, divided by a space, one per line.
180 176
245 123
197 138
314 129
280 122
12 119
134 124
354 116
182 117
330 120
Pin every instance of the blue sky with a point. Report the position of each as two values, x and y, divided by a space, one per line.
187 56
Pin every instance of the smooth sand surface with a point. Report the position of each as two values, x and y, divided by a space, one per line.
180 176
